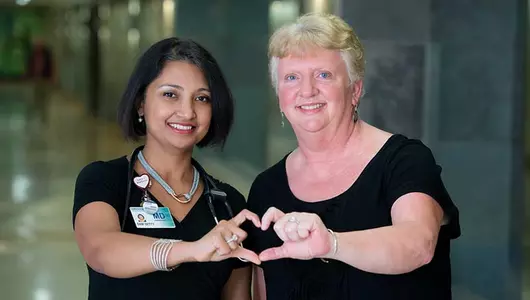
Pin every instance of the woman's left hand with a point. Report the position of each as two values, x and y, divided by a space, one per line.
304 235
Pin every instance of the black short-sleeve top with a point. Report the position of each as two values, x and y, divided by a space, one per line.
107 181
401 166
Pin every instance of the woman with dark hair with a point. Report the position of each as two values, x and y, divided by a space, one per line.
176 98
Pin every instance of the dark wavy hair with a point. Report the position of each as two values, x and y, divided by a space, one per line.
148 68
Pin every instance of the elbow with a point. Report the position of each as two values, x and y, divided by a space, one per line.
416 255
96 259
426 257
413 258
425 252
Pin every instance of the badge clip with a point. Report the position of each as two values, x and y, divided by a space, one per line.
143 182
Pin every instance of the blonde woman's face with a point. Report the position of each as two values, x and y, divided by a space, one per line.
314 90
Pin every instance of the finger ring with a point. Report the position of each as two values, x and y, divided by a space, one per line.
234 238
293 220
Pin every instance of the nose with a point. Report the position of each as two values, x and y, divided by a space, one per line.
186 109
307 88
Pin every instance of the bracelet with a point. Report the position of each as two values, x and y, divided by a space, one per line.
335 244
159 253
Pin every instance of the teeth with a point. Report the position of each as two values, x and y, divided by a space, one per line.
312 106
181 127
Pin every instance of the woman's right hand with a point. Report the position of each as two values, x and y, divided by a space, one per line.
224 240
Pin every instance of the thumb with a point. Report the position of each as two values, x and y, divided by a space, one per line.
274 253
246 255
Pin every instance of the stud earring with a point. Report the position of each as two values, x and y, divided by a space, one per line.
140 119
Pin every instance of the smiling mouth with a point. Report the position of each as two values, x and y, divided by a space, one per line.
182 128
310 107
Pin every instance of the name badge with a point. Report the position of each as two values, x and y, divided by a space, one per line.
160 219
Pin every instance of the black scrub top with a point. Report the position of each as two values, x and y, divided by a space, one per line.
402 166
107 181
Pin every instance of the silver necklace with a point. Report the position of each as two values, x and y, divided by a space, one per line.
188 196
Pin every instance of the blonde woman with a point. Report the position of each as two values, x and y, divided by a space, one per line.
353 212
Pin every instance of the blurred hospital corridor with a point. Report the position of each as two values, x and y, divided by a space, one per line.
452 73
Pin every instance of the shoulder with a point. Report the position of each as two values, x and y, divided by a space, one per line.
267 181
100 170
270 176
392 145
101 181
401 148
231 191
234 197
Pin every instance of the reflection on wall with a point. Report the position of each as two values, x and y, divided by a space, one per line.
394 85
127 29
323 6
282 12
17 27
71 36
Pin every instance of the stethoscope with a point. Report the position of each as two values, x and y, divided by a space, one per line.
210 189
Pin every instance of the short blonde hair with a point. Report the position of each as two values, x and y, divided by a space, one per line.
317 30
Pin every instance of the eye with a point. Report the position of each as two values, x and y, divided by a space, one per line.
169 95
290 77
203 98
324 75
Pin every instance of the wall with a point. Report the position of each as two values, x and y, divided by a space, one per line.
236 32
461 62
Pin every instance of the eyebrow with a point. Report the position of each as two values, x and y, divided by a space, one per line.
178 87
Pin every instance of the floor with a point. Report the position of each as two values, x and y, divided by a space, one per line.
38 256
38 164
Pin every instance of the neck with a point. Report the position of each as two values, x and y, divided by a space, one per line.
324 146
171 165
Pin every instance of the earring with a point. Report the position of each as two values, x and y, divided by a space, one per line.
140 119
355 114
283 124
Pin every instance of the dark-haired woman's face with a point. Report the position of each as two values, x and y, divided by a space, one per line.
177 107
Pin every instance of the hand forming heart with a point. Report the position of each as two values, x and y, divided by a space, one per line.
224 240
304 235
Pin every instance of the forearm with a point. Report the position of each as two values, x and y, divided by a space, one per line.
123 255
238 285
394 249
258 284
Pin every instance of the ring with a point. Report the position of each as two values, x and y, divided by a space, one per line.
293 220
234 238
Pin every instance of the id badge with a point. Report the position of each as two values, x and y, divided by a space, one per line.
160 219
